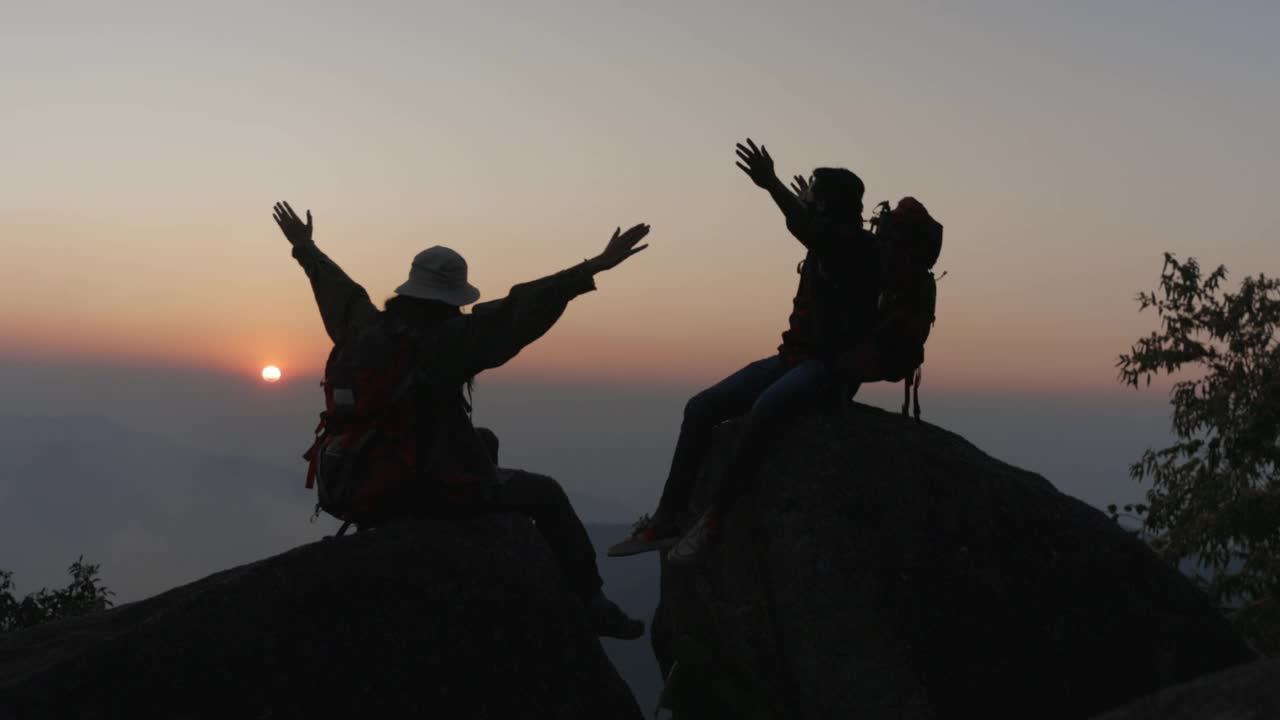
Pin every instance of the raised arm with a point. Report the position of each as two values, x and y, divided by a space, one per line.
758 165
497 331
814 231
342 302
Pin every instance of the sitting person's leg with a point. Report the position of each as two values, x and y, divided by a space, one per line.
728 398
802 386
544 500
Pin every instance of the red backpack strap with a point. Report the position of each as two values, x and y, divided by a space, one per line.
312 454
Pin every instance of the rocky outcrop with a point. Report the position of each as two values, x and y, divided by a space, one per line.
884 568
459 619
1246 692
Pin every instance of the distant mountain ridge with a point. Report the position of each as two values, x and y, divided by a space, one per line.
151 511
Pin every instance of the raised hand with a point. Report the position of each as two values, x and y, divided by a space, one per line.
297 232
756 163
621 246
799 185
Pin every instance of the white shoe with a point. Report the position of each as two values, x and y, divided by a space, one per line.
693 544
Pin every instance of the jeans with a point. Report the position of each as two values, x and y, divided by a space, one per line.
763 392
538 497
545 502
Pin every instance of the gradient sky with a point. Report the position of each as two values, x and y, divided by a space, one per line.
1065 146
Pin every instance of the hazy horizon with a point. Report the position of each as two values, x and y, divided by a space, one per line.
609 445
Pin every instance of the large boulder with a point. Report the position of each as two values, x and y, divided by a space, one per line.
1245 692
884 568
464 619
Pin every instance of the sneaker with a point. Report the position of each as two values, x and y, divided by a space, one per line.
647 534
690 548
609 620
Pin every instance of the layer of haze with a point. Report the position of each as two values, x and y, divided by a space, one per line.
1065 146
165 476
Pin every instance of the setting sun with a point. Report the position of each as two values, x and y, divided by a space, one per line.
271 373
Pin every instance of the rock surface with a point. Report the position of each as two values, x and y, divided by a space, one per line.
462 619
1247 692
888 569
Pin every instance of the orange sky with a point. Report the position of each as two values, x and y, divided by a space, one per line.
240 302
1062 154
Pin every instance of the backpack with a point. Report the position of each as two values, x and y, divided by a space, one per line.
365 453
910 243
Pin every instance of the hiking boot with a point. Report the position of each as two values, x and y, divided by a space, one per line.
647 534
609 620
691 547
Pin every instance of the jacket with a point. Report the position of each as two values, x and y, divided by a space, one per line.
451 353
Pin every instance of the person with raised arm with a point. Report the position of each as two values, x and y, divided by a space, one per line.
396 440
833 311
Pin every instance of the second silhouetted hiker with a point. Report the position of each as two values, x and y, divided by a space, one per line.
834 309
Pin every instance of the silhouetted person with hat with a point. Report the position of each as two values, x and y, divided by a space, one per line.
430 459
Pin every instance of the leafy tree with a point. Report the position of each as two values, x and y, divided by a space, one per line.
1215 493
83 595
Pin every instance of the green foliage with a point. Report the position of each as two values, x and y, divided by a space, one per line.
1215 493
83 595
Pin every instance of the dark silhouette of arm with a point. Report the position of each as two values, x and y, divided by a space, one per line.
342 302
758 165
497 331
